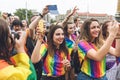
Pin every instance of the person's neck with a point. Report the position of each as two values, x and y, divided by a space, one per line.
92 41
57 46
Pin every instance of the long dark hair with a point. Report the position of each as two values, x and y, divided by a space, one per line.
6 41
105 33
50 42
66 29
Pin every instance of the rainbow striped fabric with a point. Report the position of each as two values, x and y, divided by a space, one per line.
52 66
70 43
95 69
23 69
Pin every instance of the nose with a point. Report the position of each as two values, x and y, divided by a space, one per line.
61 36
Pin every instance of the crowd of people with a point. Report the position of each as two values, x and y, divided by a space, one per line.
78 50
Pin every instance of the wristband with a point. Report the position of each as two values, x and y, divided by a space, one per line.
40 15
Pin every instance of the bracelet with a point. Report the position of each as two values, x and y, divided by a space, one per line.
40 15
67 17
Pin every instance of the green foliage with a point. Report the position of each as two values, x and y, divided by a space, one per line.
52 21
22 14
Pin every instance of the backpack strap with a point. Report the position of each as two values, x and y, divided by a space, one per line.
43 60
81 64
117 60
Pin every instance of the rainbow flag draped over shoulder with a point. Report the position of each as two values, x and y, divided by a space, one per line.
23 69
69 44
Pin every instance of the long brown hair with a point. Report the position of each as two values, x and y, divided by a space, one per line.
50 42
105 33
85 33
66 29
5 41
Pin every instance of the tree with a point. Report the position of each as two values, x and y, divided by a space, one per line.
52 21
22 14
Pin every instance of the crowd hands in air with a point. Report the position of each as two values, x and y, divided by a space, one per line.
23 45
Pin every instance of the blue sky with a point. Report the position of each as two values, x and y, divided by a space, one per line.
93 6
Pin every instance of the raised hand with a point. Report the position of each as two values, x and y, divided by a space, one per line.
45 11
20 43
66 63
39 34
113 28
73 11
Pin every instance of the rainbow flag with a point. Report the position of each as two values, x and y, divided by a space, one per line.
69 44
22 69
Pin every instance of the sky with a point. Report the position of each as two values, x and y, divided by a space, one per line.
92 6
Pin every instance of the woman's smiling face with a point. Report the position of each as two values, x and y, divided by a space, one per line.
94 29
58 37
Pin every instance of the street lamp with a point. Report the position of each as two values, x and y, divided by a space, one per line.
26 11
87 9
117 15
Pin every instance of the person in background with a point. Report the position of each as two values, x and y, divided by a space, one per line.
78 23
4 15
70 39
33 37
111 60
25 24
18 66
10 19
16 26
92 49
16 17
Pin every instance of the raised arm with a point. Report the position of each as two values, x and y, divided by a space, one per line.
35 57
69 15
116 51
100 54
35 22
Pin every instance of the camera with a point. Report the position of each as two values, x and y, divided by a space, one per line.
16 35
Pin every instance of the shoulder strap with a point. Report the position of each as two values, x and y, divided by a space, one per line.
45 56
81 64
117 60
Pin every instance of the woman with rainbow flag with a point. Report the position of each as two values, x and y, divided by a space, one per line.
93 49
70 39
18 66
